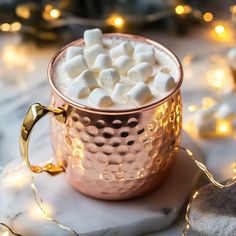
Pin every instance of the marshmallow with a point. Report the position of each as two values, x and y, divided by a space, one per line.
99 98
87 78
123 49
224 111
73 51
92 52
143 48
139 94
78 90
75 66
92 37
108 78
102 62
123 64
119 92
139 73
163 82
144 57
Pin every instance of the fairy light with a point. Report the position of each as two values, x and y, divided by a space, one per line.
192 108
116 21
5 27
208 17
207 102
15 26
216 78
220 30
6 233
23 11
223 127
55 13
51 13
183 9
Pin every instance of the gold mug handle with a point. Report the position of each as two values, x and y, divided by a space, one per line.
34 114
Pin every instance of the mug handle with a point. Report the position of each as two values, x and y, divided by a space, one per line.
34 114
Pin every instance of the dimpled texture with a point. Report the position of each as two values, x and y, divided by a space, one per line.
117 157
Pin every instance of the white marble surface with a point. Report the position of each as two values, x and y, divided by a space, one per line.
20 86
88 216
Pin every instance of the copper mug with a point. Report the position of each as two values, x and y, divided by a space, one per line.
109 154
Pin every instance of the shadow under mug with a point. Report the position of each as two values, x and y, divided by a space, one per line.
109 154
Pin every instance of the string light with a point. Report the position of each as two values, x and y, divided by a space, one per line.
193 108
208 102
223 127
183 9
216 78
208 17
5 27
15 26
116 21
51 13
220 30
23 11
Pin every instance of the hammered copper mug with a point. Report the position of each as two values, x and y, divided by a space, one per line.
109 154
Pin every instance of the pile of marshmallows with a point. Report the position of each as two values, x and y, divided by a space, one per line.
120 74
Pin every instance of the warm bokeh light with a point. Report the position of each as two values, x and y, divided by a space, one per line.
216 78
116 21
192 108
15 26
16 180
5 27
223 127
220 30
51 13
183 9
37 213
23 11
6 233
208 17
55 13
208 102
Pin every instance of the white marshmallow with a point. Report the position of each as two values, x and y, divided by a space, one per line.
108 78
87 78
145 57
224 111
92 37
139 94
99 98
163 82
123 64
75 66
73 51
123 49
92 52
143 48
78 90
139 73
119 92
102 62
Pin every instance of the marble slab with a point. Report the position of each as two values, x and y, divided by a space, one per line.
89 216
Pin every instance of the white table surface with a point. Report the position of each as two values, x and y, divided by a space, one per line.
21 86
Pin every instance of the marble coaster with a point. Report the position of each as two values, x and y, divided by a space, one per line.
90 217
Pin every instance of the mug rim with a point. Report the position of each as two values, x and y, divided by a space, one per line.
144 107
